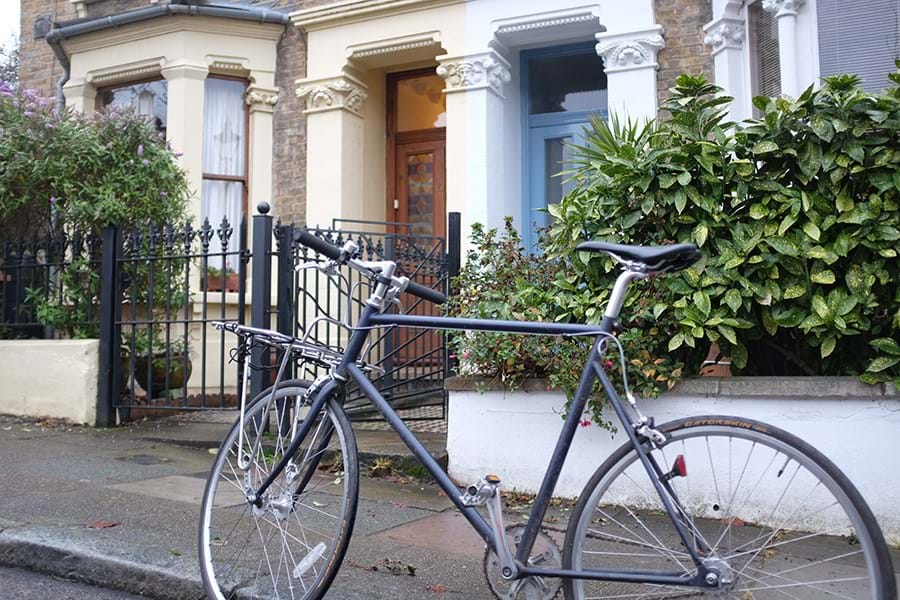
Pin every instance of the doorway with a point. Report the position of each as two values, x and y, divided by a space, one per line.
416 140
416 201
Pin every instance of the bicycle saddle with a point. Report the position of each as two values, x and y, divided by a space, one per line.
647 259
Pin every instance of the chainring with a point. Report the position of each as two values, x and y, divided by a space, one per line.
545 553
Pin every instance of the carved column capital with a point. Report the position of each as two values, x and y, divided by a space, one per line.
783 8
334 93
260 98
475 72
630 50
724 33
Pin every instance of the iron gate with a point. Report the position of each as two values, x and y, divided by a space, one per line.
414 362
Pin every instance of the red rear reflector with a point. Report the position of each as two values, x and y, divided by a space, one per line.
680 468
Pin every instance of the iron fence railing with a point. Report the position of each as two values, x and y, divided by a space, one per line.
172 282
49 281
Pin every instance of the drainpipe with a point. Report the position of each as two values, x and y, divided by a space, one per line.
175 7
55 40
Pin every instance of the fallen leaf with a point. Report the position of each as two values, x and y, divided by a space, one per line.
734 521
398 505
437 588
213 451
103 524
175 552
318 504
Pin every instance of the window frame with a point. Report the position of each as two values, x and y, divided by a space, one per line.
98 98
545 121
245 178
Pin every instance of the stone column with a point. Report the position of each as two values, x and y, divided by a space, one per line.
334 148
184 128
725 36
474 89
261 101
81 96
629 60
786 15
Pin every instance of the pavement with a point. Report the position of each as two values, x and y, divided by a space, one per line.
118 508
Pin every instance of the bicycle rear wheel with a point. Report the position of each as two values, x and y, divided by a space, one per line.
292 545
764 508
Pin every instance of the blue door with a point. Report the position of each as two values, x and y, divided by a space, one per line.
561 88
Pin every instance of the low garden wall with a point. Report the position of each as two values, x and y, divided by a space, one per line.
512 433
50 378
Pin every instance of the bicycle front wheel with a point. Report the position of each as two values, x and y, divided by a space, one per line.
292 543
761 507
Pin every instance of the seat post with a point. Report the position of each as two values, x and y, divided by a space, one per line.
617 297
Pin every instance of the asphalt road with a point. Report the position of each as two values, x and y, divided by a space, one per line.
25 585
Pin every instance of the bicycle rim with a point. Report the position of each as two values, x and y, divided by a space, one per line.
291 546
761 506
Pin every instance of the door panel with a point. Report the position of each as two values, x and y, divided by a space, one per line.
420 187
549 155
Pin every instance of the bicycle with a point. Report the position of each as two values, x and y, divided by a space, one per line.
279 508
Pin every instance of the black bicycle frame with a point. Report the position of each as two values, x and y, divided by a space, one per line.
371 318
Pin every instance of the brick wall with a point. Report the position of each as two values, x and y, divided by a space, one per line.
685 52
38 68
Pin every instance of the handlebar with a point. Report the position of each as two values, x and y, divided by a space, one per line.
338 254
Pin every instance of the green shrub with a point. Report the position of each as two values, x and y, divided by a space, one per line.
80 173
93 170
796 212
499 280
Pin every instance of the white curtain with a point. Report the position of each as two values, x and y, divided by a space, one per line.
224 142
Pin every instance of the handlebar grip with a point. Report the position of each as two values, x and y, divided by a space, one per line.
319 245
426 293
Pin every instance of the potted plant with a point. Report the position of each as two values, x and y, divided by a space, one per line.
169 363
225 279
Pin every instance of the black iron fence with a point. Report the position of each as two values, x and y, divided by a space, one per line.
49 284
172 282
150 295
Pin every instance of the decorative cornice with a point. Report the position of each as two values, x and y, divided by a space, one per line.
130 71
393 45
261 98
475 72
228 64
546 20
631 50
782 8
335 93
724 33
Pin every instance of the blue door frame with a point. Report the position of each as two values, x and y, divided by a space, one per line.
537 129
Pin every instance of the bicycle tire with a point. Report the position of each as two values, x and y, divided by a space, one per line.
875 579
227 586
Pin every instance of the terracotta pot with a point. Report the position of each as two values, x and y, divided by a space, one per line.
177 373
716 365
214 283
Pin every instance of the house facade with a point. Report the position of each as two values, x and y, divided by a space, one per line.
405 110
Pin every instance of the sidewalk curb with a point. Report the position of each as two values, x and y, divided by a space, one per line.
78 564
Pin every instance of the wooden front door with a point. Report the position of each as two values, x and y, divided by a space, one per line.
416 201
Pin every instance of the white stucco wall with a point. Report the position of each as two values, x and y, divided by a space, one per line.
50 378
513 435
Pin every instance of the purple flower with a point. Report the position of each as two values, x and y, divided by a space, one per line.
52 200
140 150
179 154
28 113
145 162
164 194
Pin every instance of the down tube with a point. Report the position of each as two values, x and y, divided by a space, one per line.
443 480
